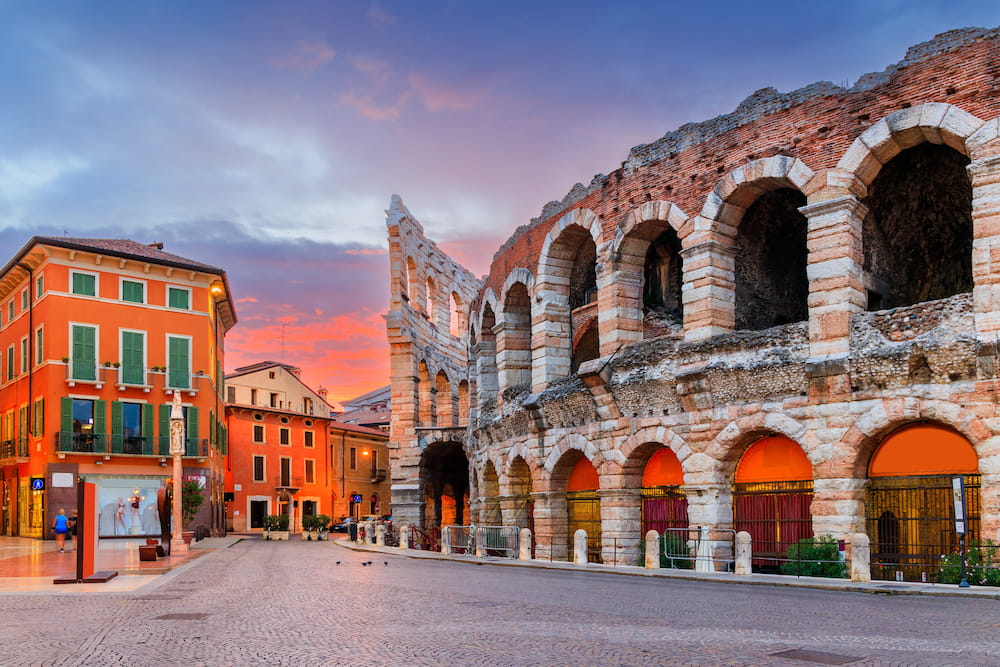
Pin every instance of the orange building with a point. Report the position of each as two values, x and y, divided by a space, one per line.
289 456
96 335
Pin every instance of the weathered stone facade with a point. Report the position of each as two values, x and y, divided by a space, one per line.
830 239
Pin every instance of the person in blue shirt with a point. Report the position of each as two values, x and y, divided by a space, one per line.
61 526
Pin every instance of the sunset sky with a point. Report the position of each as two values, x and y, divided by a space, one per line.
267 138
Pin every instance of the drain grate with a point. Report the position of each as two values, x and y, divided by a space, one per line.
180 617
158 597
818 657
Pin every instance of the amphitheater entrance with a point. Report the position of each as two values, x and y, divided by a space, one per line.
772 496
444 477
664 505
583 508
909 506
490 514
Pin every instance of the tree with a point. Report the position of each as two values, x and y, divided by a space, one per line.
192 497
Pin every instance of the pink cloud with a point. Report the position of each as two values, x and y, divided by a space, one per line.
378 70
247 299
365 251
305 57
379 16
436 96
366 106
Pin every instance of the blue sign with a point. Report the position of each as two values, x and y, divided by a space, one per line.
38 483
356 498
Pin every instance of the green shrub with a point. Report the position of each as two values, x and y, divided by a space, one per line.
802 557
315 522
276 522
982 568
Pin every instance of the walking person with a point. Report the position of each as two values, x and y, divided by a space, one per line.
61 526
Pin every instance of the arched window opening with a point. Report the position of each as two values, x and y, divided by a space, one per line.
491 515
427 414
588 345
918 232
514 353
412 282
444 475
771 283
583 275
463 403
486 366
662 278
445 401
772 498
430 302
455 324
909 500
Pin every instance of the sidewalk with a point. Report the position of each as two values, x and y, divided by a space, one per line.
873 588
30 565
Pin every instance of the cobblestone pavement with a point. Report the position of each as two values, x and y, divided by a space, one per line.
288 603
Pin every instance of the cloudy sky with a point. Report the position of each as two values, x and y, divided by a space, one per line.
268 137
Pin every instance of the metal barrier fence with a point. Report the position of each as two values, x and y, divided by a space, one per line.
426 540
498 540
458 539
391 534
698 548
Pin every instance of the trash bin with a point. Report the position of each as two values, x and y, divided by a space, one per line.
352 530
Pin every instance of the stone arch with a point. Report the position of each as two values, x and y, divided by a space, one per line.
863 438
488 300
413 287
425 408
652 233
933 122
573 442
445 399
731 196
514 355
463 402
485 357
581 217
634 451
489 490
728 446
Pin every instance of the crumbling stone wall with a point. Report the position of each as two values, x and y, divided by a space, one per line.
774 336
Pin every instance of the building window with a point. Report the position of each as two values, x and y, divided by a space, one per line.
84 352
25 297
231 394
283 437
38 418
286 472
258 433
131 427
11 310
258 468
270 374
84 284
274 400
25 359
354 458
178 362
307 439
310 471
39 286
307 406
253 397
10 363
39 346
179 297
133 291
374 462
133 355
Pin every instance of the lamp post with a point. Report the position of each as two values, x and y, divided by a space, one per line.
177 545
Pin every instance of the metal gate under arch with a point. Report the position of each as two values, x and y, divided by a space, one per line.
911 524
663 508
776 514
583 510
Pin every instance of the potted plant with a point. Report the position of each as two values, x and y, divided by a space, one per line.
309 530
276 527
192 497
323 527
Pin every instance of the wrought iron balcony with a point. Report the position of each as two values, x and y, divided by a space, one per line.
86 443
379 475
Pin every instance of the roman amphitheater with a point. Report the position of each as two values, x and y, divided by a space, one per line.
784 320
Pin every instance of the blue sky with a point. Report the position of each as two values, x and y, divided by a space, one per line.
254 134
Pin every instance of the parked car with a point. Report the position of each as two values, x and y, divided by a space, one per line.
343 525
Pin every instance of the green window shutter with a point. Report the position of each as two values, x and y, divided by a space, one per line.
66 417
178 298
84 353
178 361
116 426
101 418
84 284
211 427
165 429
192 423
132 358
148 412
132 291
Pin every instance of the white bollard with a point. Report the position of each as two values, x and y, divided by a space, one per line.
652 550
744 550
861 555
524 544
369 533
380 535
580 547
445 543
404 536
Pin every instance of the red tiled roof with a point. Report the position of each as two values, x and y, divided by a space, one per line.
129 249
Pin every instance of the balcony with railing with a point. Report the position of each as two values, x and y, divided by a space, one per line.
17 448
125 445
288 483
81 443
379 475
130 377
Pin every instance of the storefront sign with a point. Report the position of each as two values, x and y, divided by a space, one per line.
62 480
958 495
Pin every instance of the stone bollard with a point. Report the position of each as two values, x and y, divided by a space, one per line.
861 554
480 550
524 544
369 533
580 547
652 550
380 535
404 536
445 545
744 550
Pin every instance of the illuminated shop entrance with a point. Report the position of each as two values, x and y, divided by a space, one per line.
909 510
772 496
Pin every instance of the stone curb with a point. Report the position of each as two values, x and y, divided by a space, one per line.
874 588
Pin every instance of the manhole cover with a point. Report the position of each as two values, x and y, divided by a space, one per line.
819 657
180 617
